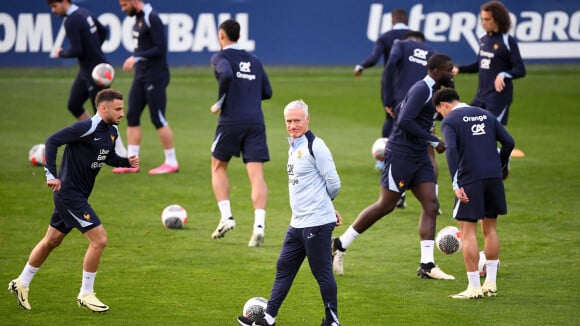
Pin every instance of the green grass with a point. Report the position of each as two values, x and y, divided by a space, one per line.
150 275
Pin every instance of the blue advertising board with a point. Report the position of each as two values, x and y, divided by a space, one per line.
297 32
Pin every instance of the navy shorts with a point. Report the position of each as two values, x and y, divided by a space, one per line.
486 200
400 175
72 211
82 89
497 104
249 140
154 95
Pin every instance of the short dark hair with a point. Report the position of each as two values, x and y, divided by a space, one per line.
437 60
500 14
232 29
107 95
49 2
447 94
399 16
414 34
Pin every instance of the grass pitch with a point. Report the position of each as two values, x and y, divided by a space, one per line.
150 275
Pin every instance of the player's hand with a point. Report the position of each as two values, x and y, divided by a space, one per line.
338 218
389 110
134 161
461 195
499 83
505 171
215 109
129 63
441 146
358 69
53 184
455 70
55 53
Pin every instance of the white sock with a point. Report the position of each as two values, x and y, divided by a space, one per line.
170 157
120 147
133 150
225 210
348 237
473 278
260 218
269 318
427 247
88 282
27 274
491 273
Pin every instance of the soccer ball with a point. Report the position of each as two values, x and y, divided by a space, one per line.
174 216
103 74
448 240
36 155
255 308
378 148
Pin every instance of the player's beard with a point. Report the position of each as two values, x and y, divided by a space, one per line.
446 82
132 12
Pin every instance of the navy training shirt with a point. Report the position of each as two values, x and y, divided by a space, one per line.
86 35
414 122
406 65
90 144
497 53
150 46
471 135
243 84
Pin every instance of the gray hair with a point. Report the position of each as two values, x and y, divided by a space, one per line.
297 105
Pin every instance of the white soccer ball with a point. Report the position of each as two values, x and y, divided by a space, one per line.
378 148
36 155
103 74
174 216
448 240
255 308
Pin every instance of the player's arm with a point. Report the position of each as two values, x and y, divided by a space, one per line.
64 136
266 87
326 167
224 75
518 68
372 60
102 31
407 116
507 145
451 154
73 26
159 47
390 73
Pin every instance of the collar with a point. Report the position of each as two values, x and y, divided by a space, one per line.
234 46
400 26
429 81
460 105
71 9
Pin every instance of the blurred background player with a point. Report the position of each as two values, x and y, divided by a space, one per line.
86 36
89 146
313 183
471 135
150 81
382 47
406 65
498 63
243 84
407 166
